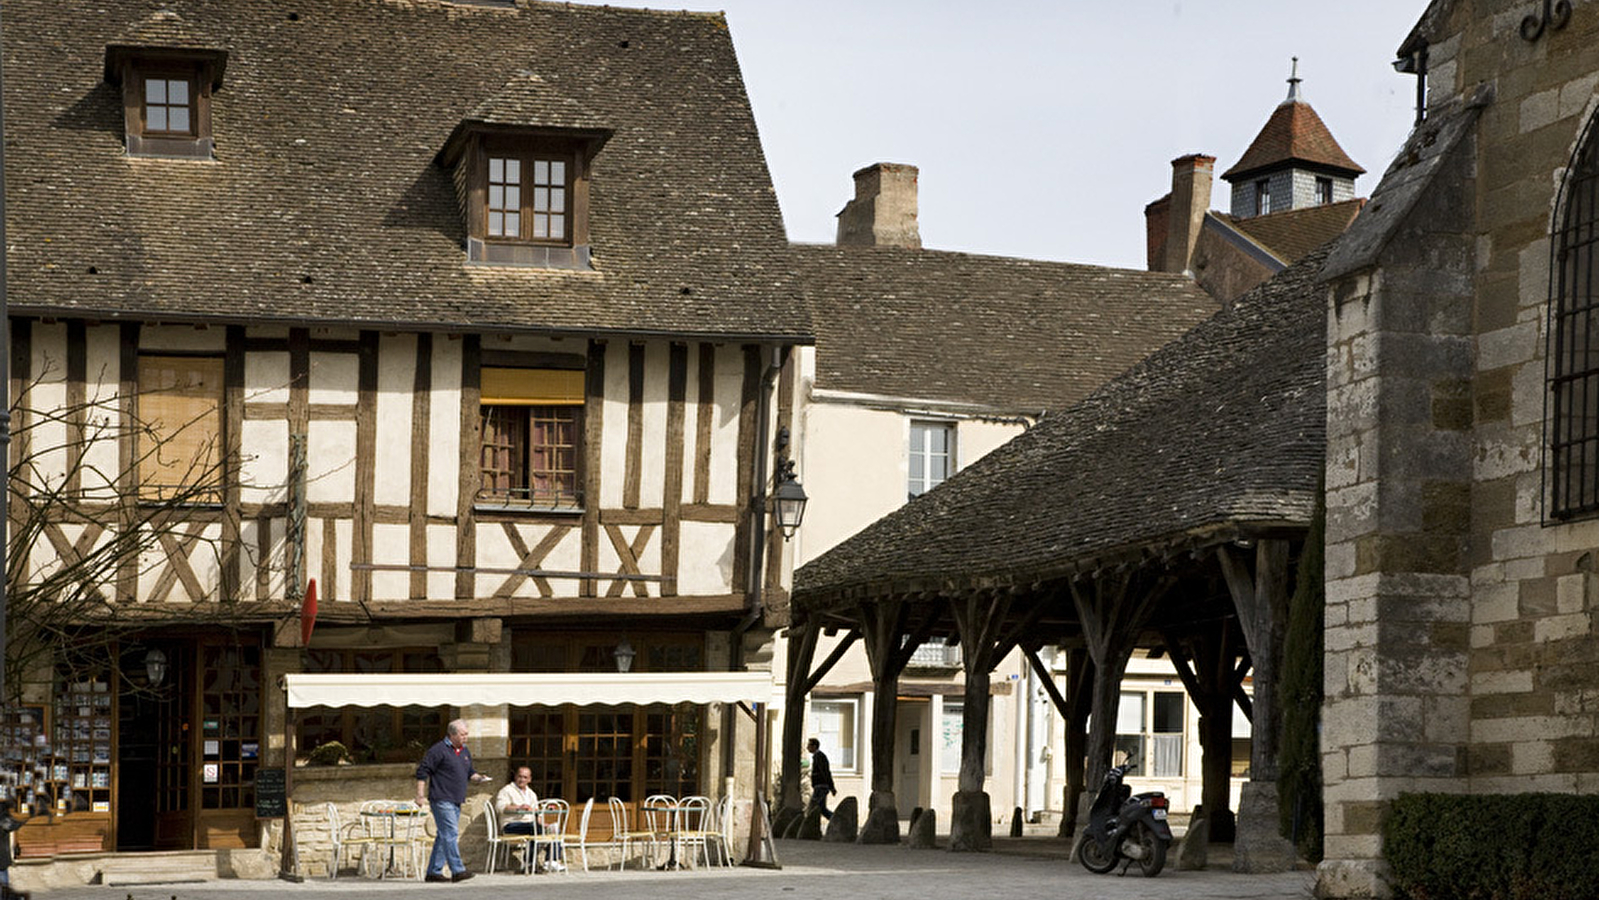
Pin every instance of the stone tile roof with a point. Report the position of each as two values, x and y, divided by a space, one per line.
1293 134
1012 335
1293 233
1217 434
325 202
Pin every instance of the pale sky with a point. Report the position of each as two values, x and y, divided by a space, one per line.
1042 127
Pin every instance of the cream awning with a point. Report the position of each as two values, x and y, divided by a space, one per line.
542 689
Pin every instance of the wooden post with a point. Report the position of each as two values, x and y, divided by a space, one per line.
888 648
1113 614
289 865
1211 666
1262 603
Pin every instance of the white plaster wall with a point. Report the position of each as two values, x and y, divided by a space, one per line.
691 434
395 435
652 480
266 375
48 391
334 378
444 418
330 461
102 420
264 472
613 432
705 560
441 552
729 394
391 545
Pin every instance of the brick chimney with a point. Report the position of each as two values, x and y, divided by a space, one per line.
1190 199
1156 215
883 213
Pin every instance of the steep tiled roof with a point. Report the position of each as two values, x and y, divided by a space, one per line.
1013 335
1221 431
325 201
1294 133
1293 233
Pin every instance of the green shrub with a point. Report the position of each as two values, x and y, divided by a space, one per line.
1299 693
1493 847
329 754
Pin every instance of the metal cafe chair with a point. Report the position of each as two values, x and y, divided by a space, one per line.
660 821
500 843
552 815
617 840
622 832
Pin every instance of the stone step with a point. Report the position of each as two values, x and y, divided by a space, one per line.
159 868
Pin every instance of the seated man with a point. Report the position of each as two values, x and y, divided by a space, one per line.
518 809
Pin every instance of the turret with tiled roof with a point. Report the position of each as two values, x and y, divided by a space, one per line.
1294 162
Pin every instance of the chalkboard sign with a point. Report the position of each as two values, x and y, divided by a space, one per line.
271 800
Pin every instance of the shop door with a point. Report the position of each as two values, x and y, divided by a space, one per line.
227 745
148 730
173 821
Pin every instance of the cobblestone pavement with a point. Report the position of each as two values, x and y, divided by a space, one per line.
1022 870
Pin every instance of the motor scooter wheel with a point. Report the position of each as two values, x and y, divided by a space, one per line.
1093 858
1153 858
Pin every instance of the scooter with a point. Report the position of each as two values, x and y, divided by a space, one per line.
1125 828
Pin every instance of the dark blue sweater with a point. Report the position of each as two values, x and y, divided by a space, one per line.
446 772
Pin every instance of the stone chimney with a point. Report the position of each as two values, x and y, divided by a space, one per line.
883 213
1190 199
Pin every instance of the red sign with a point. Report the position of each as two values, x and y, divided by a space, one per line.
308 613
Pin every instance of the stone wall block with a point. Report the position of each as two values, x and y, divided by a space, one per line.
1546 727
1510 706
1537 596
1573 593
1531 757
1350 721
1538 110
1351 637
1505 452
1515 344
1527 387
1345 590
1554 628
1340 561
1501 682
1575 94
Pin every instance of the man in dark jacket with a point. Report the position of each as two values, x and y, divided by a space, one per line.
821 777
441 780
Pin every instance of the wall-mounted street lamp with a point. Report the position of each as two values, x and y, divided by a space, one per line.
788 499
155 667
624 654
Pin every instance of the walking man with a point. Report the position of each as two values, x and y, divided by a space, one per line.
441 780
821 777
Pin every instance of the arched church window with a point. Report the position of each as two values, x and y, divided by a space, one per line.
1573 361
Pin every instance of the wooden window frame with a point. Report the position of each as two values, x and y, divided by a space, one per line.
573 151
527 184
1262 196
200 70
926 454
1324 190
513 461
1571 398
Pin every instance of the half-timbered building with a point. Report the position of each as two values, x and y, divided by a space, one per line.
471 313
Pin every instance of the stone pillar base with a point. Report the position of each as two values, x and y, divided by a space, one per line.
1258 847
971 827
882 822
1354 879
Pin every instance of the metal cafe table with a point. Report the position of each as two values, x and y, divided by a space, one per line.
383 820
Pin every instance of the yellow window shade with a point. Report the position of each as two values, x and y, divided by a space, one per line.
532 387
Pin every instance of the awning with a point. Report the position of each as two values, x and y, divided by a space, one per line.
542 689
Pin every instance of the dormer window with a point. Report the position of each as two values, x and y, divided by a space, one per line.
166 98
169 105
527 198
524 192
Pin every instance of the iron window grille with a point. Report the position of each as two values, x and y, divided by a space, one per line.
1572 365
